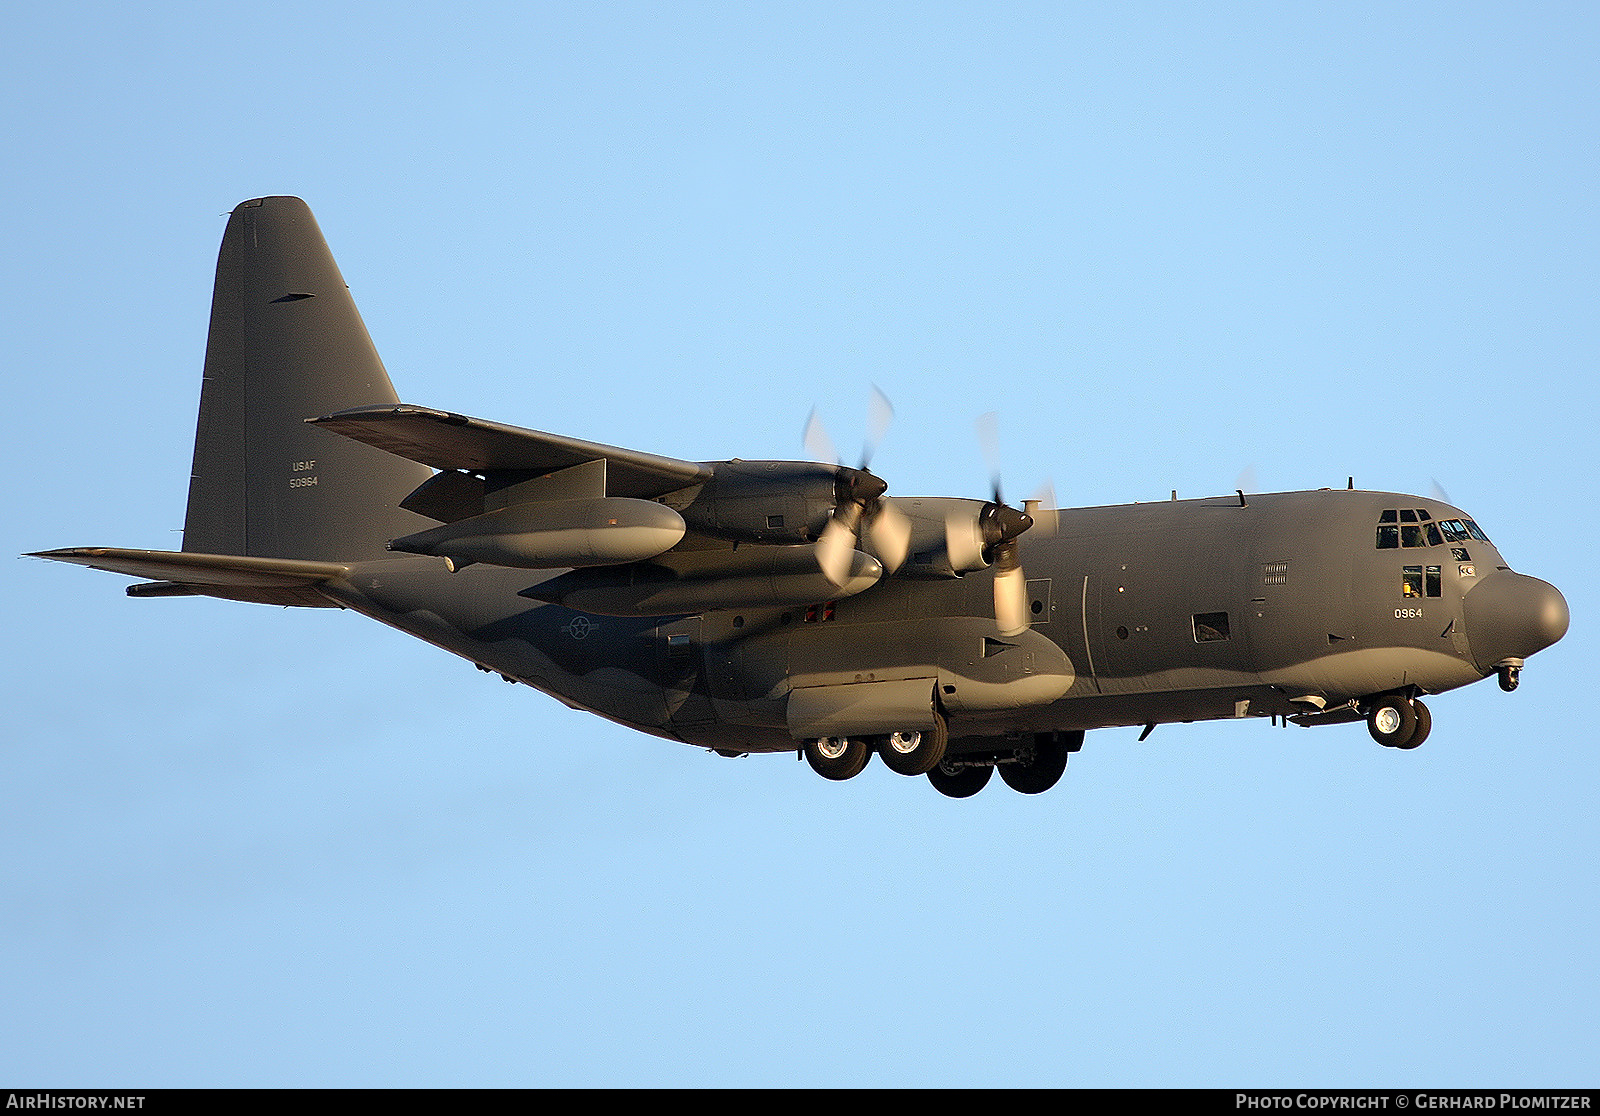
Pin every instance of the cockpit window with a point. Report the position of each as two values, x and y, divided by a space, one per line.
1414 527
1460 530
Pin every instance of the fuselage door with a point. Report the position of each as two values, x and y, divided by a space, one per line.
679 666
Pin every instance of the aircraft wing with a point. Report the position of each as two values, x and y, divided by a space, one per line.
444 440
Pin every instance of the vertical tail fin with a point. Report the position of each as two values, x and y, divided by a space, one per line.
287 344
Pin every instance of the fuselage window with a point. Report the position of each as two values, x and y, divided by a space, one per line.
1420 581
1210 627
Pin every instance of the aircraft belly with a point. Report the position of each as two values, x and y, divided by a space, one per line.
1358 672
604 665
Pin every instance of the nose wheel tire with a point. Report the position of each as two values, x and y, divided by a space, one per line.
1424 726
1396 721
837 757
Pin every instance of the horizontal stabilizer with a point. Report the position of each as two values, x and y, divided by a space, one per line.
202 571
443 440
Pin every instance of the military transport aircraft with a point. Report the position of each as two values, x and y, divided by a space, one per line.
783 606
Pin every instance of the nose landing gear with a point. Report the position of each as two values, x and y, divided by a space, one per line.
1397 721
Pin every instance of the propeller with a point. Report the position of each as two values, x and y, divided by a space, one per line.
860 502
1042 506
1001 526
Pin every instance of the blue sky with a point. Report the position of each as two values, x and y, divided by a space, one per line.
1173 245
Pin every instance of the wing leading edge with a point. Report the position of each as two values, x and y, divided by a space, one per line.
445 440
282 581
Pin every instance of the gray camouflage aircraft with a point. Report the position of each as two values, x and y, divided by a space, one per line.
782 606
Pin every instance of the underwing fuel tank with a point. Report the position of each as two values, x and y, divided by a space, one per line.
756 577
597 531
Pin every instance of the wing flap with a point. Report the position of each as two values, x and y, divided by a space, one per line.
444 440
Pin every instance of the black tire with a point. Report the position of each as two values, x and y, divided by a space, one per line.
915 753
1392 720
959 782
1040 771
837 758
1420 733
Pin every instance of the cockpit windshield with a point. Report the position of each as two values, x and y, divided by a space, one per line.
1414 527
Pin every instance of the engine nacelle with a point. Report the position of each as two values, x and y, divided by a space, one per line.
948 536
785 502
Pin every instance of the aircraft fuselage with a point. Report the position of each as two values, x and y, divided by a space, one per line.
1267 605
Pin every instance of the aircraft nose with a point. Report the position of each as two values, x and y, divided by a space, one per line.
1510 616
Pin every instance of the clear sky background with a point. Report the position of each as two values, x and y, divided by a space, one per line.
1173 245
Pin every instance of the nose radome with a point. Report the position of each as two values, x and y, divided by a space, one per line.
1510 616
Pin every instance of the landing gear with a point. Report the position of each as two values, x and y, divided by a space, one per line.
1036 770
1396 721
914 753
837 757
960 780
1424 726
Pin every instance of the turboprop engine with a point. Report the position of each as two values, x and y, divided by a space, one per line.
951 536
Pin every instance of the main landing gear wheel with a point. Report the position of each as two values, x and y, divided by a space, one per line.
959 781
1042 769
1396 721
914 753
837 757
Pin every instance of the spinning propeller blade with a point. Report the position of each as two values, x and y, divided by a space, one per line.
861 504
1001 526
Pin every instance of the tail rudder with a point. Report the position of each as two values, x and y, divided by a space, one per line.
287 344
